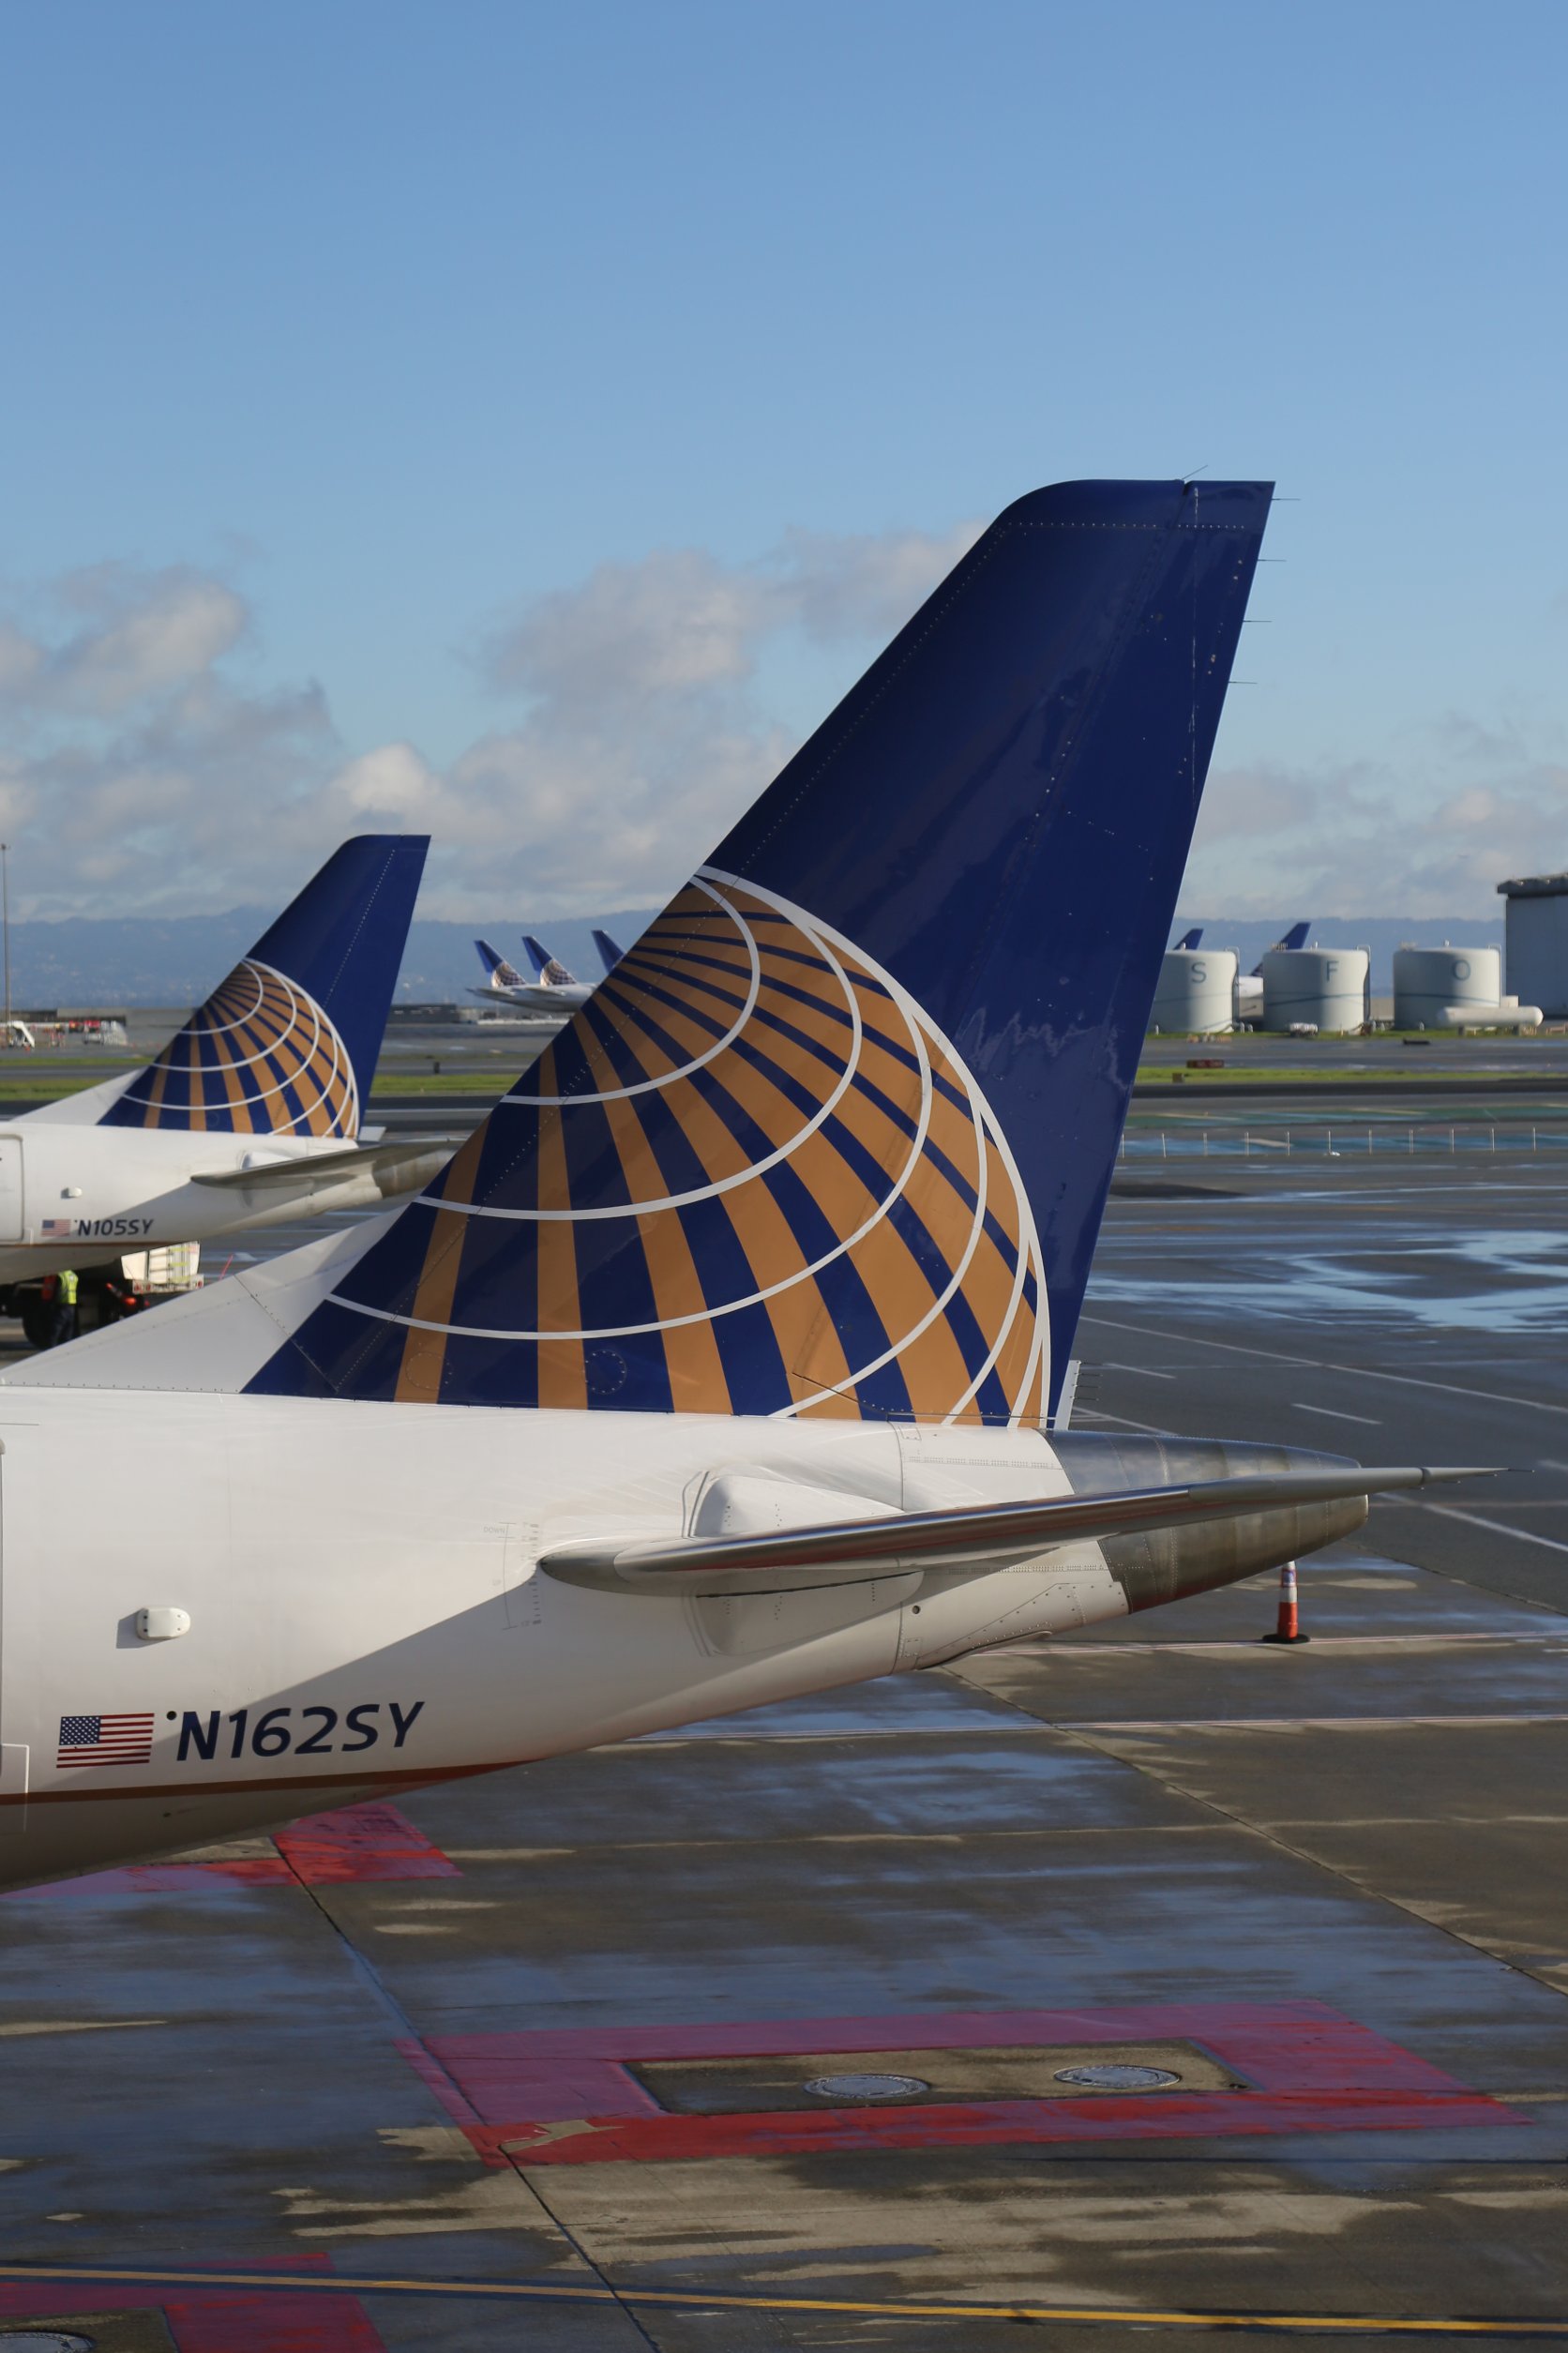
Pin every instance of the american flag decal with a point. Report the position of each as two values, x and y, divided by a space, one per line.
105 1739
57 1226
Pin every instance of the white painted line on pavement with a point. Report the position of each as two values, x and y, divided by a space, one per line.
1320 1364
1497 1527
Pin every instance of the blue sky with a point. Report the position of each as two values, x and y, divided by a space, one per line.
524 420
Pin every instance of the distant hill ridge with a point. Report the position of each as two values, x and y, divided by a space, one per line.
176 959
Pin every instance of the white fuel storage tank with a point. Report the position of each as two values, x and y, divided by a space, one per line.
1323 988
1195 991
1430 982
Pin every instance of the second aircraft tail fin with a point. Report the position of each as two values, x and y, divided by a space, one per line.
288 1044
549 969
501 974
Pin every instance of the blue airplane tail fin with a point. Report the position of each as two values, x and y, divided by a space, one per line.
1294 938
504 975
835 1137
1190 938
288 1044
548 968
609 955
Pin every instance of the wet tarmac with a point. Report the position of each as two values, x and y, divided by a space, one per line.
527 2063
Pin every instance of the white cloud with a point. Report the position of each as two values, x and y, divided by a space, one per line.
138 775
637 713
1429 827
394 786
142 775
866 585
681 623
647 729
677 623
130 635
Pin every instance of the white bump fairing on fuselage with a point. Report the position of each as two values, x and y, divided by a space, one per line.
364 1608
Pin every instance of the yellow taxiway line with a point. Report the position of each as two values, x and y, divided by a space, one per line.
540 2291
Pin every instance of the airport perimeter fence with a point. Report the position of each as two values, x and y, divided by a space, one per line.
1337 1142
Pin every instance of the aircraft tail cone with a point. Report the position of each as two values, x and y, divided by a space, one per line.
1288 1625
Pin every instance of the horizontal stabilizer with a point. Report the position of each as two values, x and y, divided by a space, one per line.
301 1172
971 1541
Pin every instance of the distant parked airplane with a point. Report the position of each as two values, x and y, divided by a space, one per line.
555 990
558 990
501 979
609 955
1189 939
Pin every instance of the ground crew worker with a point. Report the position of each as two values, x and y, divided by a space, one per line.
59 1291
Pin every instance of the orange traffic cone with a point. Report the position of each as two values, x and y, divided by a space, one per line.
1287 1626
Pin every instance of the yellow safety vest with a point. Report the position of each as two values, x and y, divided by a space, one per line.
66 1293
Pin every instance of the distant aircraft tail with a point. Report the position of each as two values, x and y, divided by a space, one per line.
609 955
1294 938
288 1044
551 971
1190 938
501 974
835 1137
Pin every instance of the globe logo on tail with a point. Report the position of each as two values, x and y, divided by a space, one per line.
259 1058
751 1177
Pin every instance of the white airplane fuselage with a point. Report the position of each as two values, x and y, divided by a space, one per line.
552 999
365 1612
84 1194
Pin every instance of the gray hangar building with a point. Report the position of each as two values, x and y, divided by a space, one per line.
1537 936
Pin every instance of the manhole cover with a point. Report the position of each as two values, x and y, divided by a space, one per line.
1111 2079
866 2087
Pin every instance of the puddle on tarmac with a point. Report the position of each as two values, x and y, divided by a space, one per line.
1487 1282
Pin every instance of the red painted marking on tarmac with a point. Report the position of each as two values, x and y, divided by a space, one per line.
1308 2069
371 1842
374 1841
840 2132
221 2320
